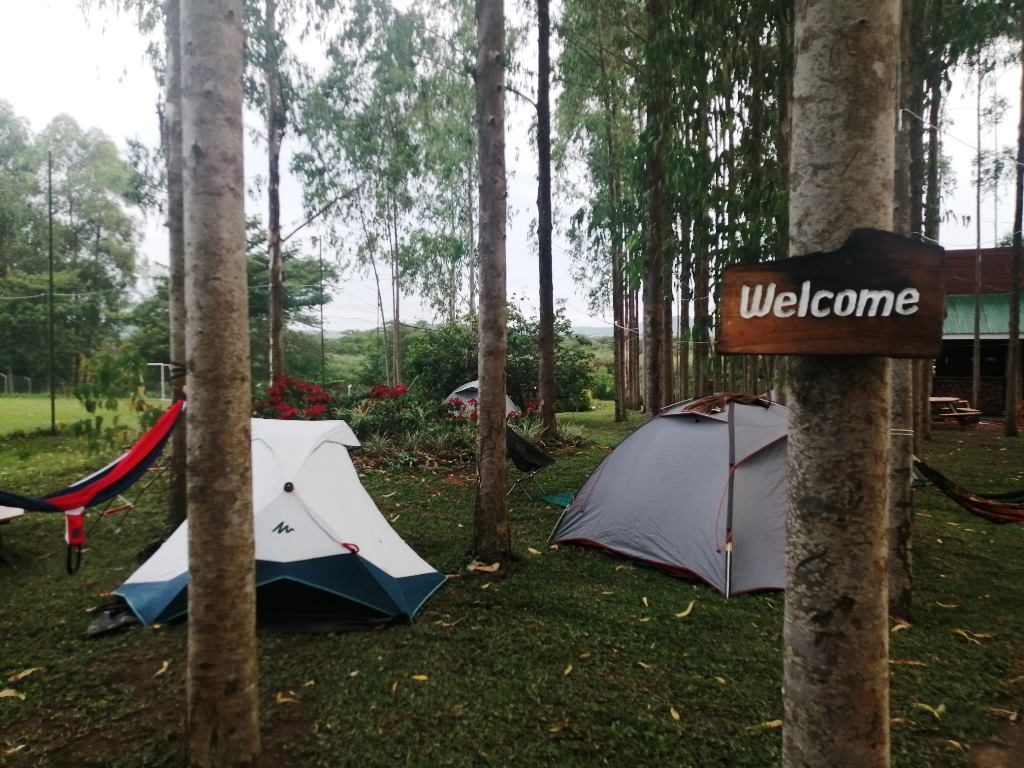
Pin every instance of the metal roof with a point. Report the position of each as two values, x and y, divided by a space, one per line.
995 316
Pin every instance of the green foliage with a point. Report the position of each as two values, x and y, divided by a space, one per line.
442 358
108 379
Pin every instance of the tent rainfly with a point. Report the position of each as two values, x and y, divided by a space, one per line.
471 391
696 493
324 552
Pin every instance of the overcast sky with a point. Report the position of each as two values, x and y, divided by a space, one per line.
56 60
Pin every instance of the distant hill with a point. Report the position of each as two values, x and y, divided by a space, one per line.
593 331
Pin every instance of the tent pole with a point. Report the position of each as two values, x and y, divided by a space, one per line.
728 516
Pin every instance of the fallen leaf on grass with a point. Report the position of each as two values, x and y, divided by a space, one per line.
765 726
907 663
389 495
477 567
354 673
900 721
309 683
644 601
420 678
900 626
23 674
552 546
955 745
1009 714
559 725
567 671
644 619
675 713
14 750
393 687
607 592
642 665
720 680
485 586
585 654
10 693
686 611
533 551
288 698
974 637
163 668
448 624
936 712
947 605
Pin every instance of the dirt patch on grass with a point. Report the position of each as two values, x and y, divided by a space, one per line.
1005 751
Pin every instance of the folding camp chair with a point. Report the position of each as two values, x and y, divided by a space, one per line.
528 459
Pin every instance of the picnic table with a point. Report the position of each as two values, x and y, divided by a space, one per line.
949 409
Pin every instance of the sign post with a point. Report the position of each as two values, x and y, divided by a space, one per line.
879 294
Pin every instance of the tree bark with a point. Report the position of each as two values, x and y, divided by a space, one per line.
275 132
901 446
1013 367
491 535
546 357
835 631
223 707
177 502
656 225
976 344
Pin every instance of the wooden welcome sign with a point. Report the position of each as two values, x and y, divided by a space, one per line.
879 294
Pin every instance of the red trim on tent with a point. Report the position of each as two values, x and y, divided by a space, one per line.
676 570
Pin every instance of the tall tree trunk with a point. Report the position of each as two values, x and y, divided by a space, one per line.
633 336
474 259
177 503
656 228
618 304
901 446
223 707
1013 367
685 299
396 296
932 220
701 319
275 132
491 536
546 356
976 345
835 631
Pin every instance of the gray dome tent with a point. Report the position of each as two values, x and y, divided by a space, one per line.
699 490
471 391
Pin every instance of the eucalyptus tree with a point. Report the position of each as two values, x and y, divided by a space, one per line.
223 709
835 633
491 533
1013 365
362 121
596 128
546 340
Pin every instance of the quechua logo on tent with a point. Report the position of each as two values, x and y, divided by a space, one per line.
282 528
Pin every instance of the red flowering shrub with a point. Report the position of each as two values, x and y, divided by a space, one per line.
384 392
294 399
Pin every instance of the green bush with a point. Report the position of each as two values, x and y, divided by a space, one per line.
440 359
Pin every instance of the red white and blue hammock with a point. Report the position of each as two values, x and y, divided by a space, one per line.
103 485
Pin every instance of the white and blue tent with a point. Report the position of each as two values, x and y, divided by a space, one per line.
324 552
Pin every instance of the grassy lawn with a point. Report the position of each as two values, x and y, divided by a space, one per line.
31 413
576 658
